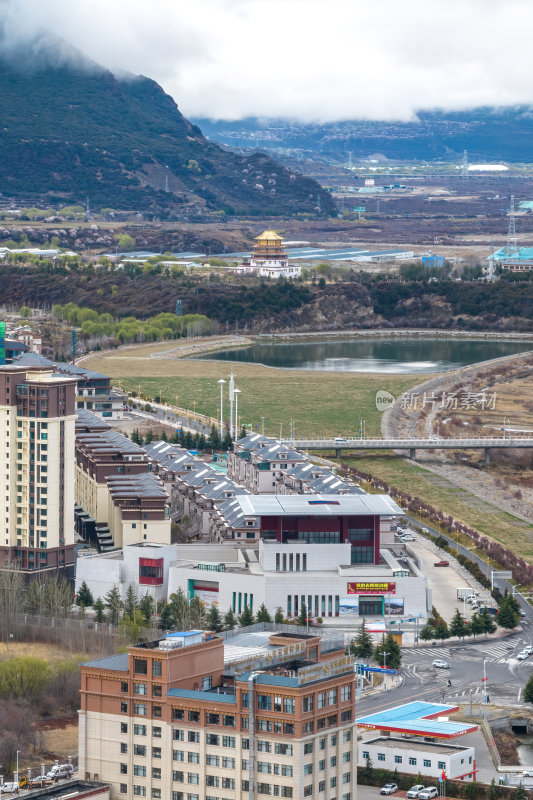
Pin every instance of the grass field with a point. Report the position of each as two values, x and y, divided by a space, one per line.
461 504
320 403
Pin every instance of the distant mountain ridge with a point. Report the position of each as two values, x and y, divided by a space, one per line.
70 129
488 134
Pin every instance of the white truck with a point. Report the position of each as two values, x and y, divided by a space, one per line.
60 771
466 592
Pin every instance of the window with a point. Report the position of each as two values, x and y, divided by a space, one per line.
346 693
123 769
308 790
308 748
157 669
228 741
283 749
333 761
140 666
333 782
207 683
264 746
346 757
178 755
288 728
193 777
156 732
123 727
140 688
307 703
156 793
264 702
194 737
228 763
347 736
140 791
212 780
398 759
156 772
178 735
442 764
264 766
332 697
139 750
139 730
156 752
332 721
308 769
124 687
177 776
194 716
123 708
139 771
123 788
212 719
245 699
412 761
308 727
322 744
427 762
381 756
346 777
123 747
288 705
322 786
333 740
178 713
212 738
366 755
321 700
140 709
193 758
228 783
157 690
212 761
228 720
346 715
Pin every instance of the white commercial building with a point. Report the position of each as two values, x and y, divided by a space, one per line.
413 756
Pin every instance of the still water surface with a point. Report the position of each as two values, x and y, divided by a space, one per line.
375 355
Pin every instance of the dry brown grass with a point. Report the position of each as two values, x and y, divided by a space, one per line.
60 743
48 652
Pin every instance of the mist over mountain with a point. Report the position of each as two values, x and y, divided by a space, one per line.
488 134
71 129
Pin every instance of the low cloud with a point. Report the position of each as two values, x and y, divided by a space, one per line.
302 59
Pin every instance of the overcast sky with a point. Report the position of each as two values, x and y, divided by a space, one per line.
307 59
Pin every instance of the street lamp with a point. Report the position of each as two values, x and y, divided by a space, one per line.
262 426
221 383
385 667
231 391
485 678
17 777
236 392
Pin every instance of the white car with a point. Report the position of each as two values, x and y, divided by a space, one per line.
389 788
414 791
428 793
9 787
522 656
527 773
528 649
408 538
440 663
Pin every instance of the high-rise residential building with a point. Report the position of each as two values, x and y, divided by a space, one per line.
195 717
37 413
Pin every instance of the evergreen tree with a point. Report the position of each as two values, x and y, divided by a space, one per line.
441 629
489 626
303 616
244 433
214 438
427 632
202 442
196 440
164 437
528 690
493 791
146 607
214 620
520 793
166 618
180 610
187 441
99 608
230 620
149 436
394 653
227 442
508 616
368 769
113 603
130 604
262 614
279 616
477 625
197 613
246 618
84 596
457 625
362 646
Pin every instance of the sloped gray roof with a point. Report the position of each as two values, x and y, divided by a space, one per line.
118 663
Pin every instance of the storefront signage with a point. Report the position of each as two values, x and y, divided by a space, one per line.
268 658
325 670
371 587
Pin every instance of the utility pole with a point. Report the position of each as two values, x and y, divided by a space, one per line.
512 242
262 426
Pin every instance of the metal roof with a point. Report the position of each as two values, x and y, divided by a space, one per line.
118 663
212 697
323 505
419 719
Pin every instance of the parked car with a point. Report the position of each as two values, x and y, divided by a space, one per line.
527 773
414 791
441 564
440 663
522 612
408 538
389 788
9 787
60 771
425 530
428 793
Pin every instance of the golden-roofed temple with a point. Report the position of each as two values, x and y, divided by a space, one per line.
269 247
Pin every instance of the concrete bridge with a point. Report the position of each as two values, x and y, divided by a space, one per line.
412 444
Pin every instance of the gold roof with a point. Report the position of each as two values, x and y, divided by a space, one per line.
268 236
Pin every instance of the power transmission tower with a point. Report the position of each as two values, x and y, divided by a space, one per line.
166 184
350 164
319 207
512 242
464 164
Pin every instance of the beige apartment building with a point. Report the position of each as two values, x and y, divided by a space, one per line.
194 716
37 413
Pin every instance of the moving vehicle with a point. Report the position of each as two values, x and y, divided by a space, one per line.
408 537
389 788
440 663
523 655
428 793
441 564
424 530
60 771
522 612
340 440
414 791
527 773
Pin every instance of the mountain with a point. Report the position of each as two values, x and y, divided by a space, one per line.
488 134
70 129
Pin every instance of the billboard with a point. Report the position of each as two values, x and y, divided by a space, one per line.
206 593
348 605
394 606
371 587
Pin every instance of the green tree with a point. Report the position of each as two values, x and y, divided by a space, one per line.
520 793
181 610
214 437
474 790
528 690
197 613
302 618
477 625
132 626
166 617
457 625
493 791
99 608
25 312
368 769
427 632
230 620
23 677
441 629
126 242
246 618
508 615
130 604
262 614
146 607
393 650
113 603
227 442
84 596
279 616
362 646
489 626
214 620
